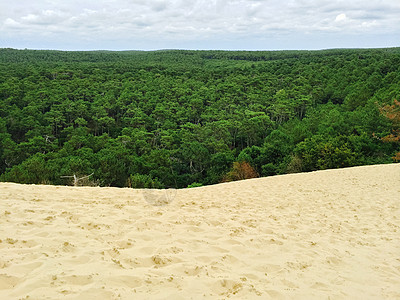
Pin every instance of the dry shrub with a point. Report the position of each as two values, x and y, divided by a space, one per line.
240 170
392 112
396 158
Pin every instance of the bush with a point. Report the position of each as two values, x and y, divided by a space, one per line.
318 153
269 169
140 181
33 170
295 165
194 184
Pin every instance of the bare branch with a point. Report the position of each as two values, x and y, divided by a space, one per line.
76 179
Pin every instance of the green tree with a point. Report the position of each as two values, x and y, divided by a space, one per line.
32 170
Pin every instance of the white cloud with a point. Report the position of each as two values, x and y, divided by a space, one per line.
43 18
341 18
11 23
30 18
150 23
370 24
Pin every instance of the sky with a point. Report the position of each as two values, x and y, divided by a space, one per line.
199 24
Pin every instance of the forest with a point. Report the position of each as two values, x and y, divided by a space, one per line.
182 118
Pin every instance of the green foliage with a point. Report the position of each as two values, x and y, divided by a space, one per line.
32 170
194 184
320 152
175 118
143 181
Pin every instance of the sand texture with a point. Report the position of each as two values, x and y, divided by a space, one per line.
331 234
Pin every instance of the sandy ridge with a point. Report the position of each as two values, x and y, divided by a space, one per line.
327 234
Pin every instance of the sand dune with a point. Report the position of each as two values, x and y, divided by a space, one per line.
331 234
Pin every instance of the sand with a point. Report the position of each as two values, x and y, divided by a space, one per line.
331 234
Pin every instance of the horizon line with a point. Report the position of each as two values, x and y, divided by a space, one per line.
188 49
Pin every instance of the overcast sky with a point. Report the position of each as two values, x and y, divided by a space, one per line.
199 24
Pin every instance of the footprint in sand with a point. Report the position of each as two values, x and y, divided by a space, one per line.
194 271
67 247
161 260
123 244
125 281
71 279
275 242
78 279
155 261
333 260
8 282
226 287
3 264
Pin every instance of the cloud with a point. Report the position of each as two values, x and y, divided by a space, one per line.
45 17
127 23
341 18
159 5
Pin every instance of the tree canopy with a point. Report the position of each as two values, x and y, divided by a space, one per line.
176 118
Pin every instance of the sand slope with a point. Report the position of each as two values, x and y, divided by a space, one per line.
328 234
